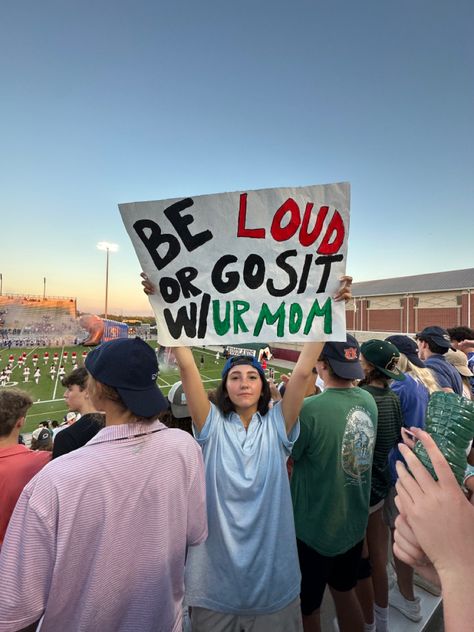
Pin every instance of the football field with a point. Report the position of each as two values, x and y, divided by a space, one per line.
48 393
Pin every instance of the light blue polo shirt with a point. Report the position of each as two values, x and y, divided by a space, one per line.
249 562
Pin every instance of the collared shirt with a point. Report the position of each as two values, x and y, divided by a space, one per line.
249 563
446 375
18 465
414 397
98 538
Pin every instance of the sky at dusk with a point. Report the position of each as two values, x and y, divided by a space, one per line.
117 101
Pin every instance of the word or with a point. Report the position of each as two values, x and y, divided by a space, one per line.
253 276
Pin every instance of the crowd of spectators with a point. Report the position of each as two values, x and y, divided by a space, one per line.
143 527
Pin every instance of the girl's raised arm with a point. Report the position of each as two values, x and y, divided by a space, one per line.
196 396
296 387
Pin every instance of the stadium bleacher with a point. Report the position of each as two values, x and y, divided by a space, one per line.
38 319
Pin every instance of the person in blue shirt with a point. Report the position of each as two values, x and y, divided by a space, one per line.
414 393
433 344
247 572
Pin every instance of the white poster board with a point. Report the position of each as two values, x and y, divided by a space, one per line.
244 267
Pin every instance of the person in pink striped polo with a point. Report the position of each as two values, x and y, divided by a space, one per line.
98 539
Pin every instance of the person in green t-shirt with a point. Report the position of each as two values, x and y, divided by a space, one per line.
330 485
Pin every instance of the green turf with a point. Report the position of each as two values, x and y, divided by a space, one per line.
48 394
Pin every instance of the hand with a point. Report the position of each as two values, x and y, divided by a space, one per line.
344 293
148 286
466 345
436 512
407 549
409 438
274 392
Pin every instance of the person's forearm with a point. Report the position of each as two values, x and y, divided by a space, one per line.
307 358
458 602
184 357
196 396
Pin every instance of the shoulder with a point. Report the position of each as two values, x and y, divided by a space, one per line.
365 397
90 419
312 405
179 438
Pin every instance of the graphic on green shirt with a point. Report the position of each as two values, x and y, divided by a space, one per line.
357 445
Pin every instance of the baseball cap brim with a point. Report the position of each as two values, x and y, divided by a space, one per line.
180 412
237 360
463 370
144 403
415 359
393 375
346 370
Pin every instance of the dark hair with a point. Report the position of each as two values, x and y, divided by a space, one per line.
432 346
211 395
329 369
225 405
184 423
374 375
461 333
78 376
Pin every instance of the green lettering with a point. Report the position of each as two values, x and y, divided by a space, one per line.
221 326
316 310
240 307
265 315
295 318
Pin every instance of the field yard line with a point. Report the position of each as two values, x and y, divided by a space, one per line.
165 383
206 351
206 377
216 379
57 374
50 412
50 401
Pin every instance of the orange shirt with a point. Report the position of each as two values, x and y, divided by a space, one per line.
18 465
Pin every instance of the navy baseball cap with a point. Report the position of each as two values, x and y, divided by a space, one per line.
242 359
408 347
130 366
343 358
438 335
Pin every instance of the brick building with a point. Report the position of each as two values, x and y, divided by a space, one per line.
404 305
408 304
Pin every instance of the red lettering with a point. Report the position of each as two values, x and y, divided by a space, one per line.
336 225
278 232
242 230
306 239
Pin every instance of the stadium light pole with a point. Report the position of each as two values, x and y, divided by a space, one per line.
108 247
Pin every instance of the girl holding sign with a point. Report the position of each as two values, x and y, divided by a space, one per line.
248 567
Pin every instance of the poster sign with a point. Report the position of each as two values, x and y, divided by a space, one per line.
242 267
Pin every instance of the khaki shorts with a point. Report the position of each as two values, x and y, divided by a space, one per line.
286 620
390 511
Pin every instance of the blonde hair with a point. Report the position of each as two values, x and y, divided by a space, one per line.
424 376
